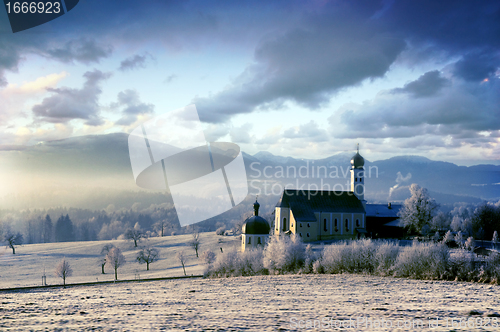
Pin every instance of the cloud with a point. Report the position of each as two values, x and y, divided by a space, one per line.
426 85
170 78
457 114
305 66
134 62
132 107
241 134
83 50
67 104
477 66
309 131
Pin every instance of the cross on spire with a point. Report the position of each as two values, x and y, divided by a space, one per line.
357 147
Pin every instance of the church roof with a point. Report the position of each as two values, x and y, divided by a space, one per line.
382 210
304 203
256 225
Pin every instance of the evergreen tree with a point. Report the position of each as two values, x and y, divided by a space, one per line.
47 230
64 229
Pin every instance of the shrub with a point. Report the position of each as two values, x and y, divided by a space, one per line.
462 266
220 230
284 254
234 264
386 255
422 261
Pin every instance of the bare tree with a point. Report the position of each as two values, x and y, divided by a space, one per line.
104 252
148 255
12 240
135 234
182 258
195 242
161 226
115 259
63 270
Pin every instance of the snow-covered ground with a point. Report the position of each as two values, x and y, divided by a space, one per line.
261 303
27 266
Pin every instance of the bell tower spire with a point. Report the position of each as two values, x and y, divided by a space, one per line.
357 176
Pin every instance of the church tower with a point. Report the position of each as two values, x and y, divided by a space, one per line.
358 177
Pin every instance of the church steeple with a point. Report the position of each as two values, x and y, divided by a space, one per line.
357 176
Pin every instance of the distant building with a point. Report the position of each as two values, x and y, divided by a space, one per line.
317 215
255 230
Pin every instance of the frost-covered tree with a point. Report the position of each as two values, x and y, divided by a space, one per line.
440 222
458 238
470 244
448 237
115 259
195 242
208 257
418 210
135 234
148 255
104 252
456 224
182 258
284 254
494 240
12 240
63 270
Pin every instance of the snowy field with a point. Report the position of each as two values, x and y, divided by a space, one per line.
27 266
261 303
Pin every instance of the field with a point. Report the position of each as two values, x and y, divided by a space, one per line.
262 303
27 266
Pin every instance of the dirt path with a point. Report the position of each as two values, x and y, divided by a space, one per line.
265 303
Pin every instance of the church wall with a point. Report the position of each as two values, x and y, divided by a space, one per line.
254 241
281 215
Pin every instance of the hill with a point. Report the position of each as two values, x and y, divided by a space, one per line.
27 266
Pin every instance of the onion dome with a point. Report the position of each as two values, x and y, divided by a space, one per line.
357 161
256 224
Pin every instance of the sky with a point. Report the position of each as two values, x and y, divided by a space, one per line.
306 79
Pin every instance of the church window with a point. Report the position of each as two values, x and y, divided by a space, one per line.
258 240
307 234
336 225
326 228
355 179
249 240
308 225
347 224
300 224
300 234
357 222
284 224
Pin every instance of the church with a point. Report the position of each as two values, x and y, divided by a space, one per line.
317 215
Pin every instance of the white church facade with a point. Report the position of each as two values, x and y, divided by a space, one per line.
317 215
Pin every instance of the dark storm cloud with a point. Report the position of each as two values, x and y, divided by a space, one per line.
66 104
132 106
306 66
426 85
134 62
477 66
345 44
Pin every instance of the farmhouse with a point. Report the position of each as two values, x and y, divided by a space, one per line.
317 215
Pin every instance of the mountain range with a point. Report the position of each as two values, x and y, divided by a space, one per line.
60 172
